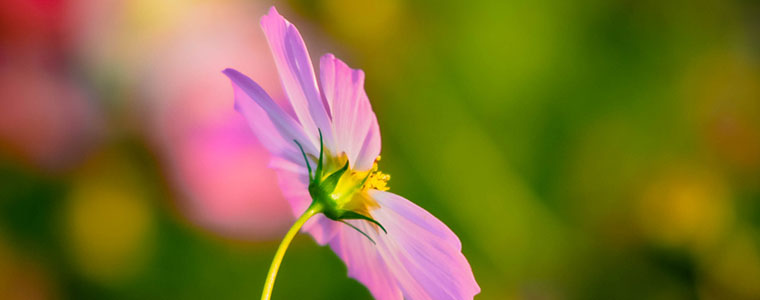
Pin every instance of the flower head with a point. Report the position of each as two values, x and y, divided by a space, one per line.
326 154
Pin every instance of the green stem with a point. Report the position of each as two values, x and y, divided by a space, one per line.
314 209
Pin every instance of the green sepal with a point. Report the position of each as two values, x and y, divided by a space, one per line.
350 215
311 178
359 230
332 181
320 189
318 172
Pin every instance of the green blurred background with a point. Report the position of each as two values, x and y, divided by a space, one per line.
581 150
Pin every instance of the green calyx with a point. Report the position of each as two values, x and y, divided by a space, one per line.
322 186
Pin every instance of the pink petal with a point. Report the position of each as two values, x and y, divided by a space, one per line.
264 116
356 130
297 74
276 130
371 147
419 253
364 262
322 229
294 188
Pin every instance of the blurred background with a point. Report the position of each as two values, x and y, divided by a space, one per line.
581 150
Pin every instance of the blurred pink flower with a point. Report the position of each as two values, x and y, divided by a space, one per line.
419 257
210 156
156 57
47 119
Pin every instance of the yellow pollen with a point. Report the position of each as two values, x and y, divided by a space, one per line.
377 180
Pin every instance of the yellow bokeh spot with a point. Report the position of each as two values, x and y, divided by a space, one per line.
108 221
365 23
685 207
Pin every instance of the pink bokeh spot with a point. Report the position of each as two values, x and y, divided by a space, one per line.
225 168
46 120
214 163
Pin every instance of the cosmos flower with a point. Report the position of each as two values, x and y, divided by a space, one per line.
325 155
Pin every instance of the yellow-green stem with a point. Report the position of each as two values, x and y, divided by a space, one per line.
314 209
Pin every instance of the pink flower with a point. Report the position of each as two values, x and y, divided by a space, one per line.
213 162
394 247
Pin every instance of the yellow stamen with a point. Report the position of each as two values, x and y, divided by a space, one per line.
377 180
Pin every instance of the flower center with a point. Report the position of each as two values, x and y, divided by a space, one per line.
350 192
341 193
